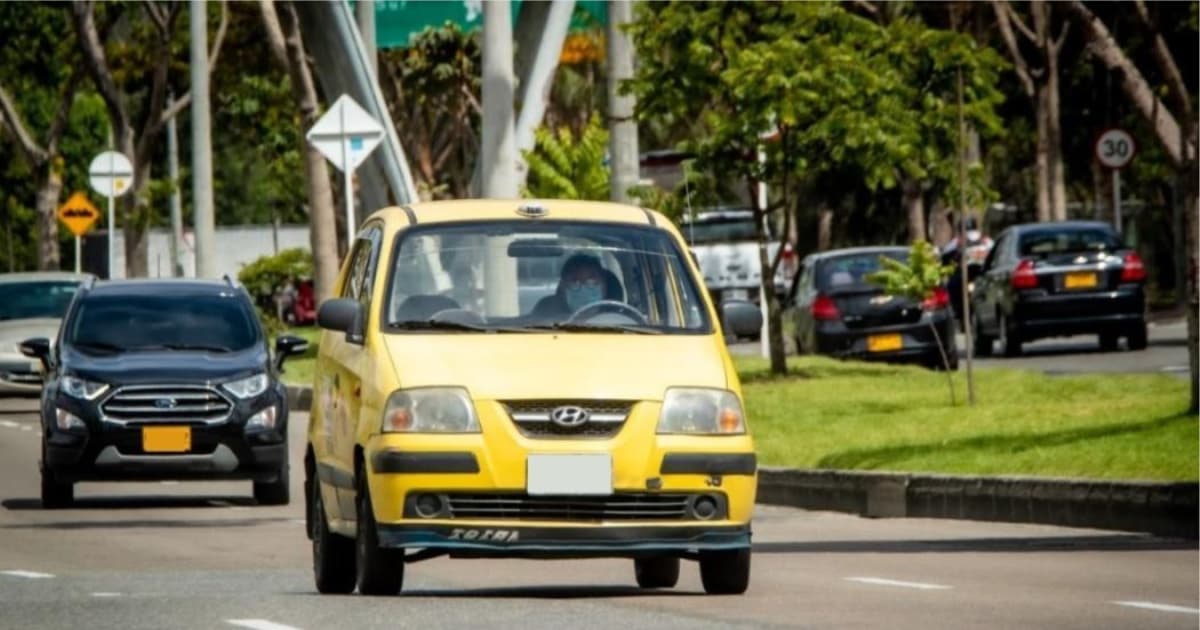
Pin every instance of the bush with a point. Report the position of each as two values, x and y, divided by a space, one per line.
268 274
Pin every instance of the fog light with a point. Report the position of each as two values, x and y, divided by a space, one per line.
705 508
264 419
428 505
66 420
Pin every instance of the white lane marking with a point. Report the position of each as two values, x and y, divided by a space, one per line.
33 575
259 624
9 423
1160 607
886 582
105 594
26 428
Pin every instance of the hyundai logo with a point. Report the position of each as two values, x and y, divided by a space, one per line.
165 403
569 417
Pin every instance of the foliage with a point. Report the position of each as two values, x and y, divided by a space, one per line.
563 165
915 279
267 274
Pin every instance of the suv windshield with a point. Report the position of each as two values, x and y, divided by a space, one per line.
216 322
519 275
846 274
1068 240
27 300
719 229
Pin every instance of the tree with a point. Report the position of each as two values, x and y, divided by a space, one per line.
565 166
135 91
1174 126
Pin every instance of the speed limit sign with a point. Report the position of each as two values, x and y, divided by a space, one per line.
1115 148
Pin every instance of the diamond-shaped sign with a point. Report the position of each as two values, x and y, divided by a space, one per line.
78 214
346 134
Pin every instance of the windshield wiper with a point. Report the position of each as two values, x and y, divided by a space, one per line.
97 345
184 346
438 324
579 327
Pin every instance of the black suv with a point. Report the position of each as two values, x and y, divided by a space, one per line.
162 379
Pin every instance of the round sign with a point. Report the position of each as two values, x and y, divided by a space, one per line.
110 174
1115 148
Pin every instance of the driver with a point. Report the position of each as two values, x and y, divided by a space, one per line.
583 281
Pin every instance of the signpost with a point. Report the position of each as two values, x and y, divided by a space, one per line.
78 214
111 175
346 135
1114 149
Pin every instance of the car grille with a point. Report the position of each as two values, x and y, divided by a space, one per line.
643 506
166 403
532 418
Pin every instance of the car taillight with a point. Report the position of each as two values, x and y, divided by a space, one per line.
824 308
939 300
1134 270
1023 276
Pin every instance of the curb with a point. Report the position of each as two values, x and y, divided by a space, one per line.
1161 508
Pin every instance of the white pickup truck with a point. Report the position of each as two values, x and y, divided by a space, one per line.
727 253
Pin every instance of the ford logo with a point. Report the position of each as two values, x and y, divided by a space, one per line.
165 403
569 417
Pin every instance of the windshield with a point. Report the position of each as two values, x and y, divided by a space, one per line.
846 274
1068 240
27 300
218 322
521 276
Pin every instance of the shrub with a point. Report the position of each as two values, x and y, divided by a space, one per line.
266 275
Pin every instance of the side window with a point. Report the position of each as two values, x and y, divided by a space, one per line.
362 266
995 256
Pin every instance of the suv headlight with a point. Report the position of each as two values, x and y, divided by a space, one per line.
248 387
430 410
701 411
79 388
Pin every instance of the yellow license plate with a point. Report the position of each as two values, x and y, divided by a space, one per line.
166 439
1080 280
884 343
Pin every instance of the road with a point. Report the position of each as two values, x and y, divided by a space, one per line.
202 555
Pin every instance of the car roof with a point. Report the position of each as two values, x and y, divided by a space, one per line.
852 251
1058 225
722 213
503 209
162 286
42 276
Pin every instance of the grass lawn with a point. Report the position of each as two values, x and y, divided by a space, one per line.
831 414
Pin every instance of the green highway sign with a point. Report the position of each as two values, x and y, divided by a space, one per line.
398 21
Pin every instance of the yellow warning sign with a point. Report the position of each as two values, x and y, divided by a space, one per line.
78 214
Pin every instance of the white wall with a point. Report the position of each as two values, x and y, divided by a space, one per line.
234 247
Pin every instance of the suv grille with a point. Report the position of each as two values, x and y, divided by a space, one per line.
630 506
167 403
532 417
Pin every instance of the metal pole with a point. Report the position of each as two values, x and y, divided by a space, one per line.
366 30
1118 220
623 138
176 198
78 262
202 191
962 245
498 150
765 279
112 225
348 174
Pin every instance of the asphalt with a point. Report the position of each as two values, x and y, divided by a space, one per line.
202 555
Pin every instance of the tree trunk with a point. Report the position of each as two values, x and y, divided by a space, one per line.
1100 210
914 203
1191 211
1044 210
49 191
824 228
940 228
137 221
1056 180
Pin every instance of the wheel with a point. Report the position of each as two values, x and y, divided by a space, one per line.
56 494
1108 342
333 555
1010 340
983 343
380 571
1138 337
273 492
725 572
661 572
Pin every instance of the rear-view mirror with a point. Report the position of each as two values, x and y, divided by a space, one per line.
742 318
288 346
535 248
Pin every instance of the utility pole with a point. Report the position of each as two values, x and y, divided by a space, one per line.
499 149
176 198
622 138
366 30
962 244
202 190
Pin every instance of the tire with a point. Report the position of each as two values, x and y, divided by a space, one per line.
1138 337
273 492
983 344
333 555
56 494
379 571
1108 342
1010 339
725 572
660 572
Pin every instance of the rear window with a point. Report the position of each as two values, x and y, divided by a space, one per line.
219 322
850 272
1067 240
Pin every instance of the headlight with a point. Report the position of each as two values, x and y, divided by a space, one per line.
701 411
248 387
430 410
79 388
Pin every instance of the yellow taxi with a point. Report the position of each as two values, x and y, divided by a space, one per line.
529 379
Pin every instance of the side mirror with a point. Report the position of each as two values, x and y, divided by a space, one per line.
742 318
37 348
345 315
286 346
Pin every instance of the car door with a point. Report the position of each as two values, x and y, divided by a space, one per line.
993 283
803 306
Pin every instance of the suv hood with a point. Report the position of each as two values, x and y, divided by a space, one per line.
517 366
134 368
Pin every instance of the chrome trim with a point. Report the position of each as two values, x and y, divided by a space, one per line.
174 391
545 417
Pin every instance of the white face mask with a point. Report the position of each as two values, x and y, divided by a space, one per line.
582 294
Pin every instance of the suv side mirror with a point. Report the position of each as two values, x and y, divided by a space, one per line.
37 348
345 315
742 318
286 346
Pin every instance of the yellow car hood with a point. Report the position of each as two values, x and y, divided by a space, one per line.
513 366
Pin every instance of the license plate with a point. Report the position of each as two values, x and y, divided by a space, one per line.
884 343
166 439
1085 280
558 474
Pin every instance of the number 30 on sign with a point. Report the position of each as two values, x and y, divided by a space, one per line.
1115 148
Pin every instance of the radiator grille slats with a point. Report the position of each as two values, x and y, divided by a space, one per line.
533 417
614 507
166 403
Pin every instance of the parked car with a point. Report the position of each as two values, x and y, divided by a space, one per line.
838 312
725 244
1059 279
165 379
602 419
978 246
31 305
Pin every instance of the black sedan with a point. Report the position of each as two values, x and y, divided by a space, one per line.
838 312
1059 279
